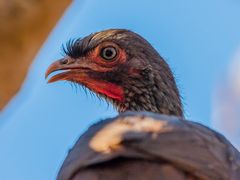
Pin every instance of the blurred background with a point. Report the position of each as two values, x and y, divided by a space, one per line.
40 122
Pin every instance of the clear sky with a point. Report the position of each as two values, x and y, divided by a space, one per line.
197 38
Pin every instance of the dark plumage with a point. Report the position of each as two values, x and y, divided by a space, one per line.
122 67
143 145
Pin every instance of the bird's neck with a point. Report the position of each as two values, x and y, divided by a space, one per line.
152 94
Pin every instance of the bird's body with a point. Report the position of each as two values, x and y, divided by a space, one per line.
122 67
143 145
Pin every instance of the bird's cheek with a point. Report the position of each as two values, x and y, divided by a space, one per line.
97 68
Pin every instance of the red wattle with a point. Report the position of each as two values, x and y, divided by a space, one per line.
109 89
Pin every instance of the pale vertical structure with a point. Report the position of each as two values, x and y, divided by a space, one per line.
226 103
25 24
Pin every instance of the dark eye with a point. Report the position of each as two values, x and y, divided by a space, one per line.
108 53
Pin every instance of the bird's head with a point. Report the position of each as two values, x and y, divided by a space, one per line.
122 67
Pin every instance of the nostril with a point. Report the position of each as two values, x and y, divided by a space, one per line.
64 61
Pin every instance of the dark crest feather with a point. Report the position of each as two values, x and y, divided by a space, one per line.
73 48
76 48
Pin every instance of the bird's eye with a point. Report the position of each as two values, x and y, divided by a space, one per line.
108 53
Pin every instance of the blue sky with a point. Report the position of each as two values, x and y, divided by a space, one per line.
197 38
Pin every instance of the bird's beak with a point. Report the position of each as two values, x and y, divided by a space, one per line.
79 71
71 71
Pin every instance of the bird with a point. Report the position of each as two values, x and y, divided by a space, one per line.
122 67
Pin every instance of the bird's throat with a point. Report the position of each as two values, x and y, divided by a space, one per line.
108 89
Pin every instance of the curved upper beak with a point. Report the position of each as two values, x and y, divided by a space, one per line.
70 67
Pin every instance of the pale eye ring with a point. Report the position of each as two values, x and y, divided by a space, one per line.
108 53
